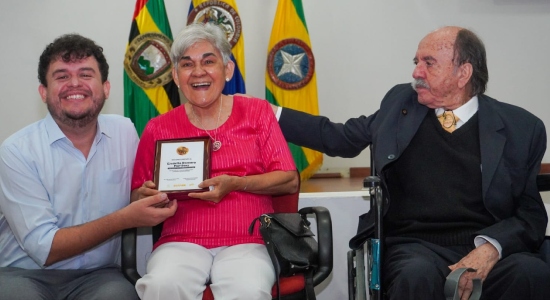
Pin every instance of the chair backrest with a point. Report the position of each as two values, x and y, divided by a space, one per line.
287 203
543 182
372 170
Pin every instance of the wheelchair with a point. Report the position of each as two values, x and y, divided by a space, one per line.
364 263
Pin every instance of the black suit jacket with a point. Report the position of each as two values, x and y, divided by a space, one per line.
513 143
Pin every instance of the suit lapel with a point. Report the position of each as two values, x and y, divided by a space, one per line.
492 142
408 123
392 140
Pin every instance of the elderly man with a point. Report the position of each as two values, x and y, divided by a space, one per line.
65 186
458 170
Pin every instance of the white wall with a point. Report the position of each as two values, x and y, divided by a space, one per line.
362 48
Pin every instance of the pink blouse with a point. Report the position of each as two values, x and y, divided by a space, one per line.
252 143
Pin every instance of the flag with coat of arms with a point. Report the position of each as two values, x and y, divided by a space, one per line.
224 14
290 74
148 86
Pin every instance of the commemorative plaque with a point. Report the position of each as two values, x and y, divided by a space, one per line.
181 164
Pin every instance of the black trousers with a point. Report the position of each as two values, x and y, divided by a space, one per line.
415 269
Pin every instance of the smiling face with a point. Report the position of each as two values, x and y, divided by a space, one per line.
75 93
201 75
438 81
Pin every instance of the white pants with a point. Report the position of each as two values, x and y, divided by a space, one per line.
182 270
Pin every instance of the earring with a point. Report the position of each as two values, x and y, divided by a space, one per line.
227 79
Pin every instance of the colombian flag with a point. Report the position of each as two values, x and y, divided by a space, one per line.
224 14
290 75
148 86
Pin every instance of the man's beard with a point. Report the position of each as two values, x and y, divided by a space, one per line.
79 120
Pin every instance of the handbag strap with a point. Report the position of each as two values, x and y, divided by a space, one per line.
451 285
271 251
310 291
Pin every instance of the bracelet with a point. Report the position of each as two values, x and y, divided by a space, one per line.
246 183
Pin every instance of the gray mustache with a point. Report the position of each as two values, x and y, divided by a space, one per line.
419 83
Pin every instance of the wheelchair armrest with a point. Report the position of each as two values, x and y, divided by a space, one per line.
129 255
324 240
544 250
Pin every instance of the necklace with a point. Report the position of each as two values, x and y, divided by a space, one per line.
217 144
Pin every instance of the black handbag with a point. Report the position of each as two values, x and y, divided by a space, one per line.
291 246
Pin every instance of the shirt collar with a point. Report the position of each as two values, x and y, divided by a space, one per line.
465 112
103 129
55 133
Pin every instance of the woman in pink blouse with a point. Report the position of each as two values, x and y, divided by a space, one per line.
207 240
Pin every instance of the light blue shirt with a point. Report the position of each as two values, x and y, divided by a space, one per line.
47 184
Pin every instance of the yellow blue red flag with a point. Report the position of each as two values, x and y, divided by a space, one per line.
290 74
224 14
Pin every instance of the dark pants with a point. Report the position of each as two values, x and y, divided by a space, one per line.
414 269
102 283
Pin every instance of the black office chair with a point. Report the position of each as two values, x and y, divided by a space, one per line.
359 276
292 287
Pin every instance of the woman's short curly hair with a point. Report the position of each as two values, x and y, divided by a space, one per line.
196 32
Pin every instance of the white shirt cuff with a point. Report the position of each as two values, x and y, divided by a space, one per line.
482 239
278 113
